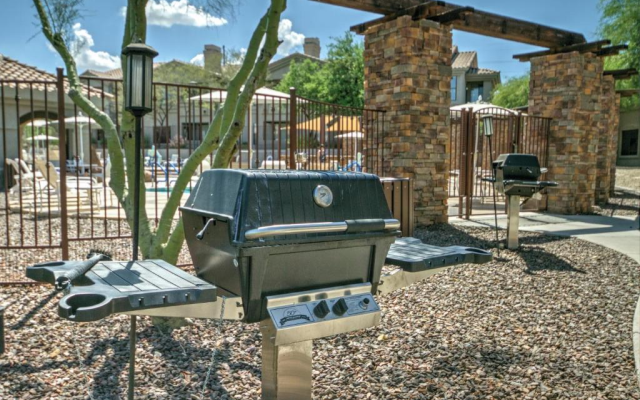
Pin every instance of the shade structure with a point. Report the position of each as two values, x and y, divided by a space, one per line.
262 95
351 135
38 123
80 121
331 123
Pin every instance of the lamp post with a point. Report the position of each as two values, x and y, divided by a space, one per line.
138 96
487 127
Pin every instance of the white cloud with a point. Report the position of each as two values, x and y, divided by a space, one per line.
290 39
178 12
87 58
198 60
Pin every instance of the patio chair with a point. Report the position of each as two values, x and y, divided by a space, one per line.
86 190
24 180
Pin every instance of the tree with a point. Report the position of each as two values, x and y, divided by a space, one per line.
56 18
340 80
513 93
620 23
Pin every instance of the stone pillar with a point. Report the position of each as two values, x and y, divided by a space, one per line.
408 74
614 132
608 130
567 88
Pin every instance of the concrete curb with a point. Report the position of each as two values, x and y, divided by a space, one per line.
636 340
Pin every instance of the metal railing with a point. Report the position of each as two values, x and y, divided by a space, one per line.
55 199
470 160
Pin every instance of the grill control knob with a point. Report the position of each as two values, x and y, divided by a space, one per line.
321 309
364 303
340 307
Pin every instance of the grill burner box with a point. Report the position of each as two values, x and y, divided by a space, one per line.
518 174
263 233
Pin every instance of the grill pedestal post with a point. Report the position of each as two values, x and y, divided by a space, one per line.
513 221
286 369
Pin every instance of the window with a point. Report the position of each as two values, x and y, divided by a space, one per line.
629 145
194 130
161 134
474 91
454 88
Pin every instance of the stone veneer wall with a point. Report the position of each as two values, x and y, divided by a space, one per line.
408 74
568 88
614 131
608 136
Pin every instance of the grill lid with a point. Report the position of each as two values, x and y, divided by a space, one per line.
252 199
517 166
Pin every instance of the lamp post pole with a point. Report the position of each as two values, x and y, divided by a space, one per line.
138 101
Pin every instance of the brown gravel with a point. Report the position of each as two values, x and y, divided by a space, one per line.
628 177
551 321
620 204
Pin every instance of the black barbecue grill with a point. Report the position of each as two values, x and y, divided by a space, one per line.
260 233
300 252
516 176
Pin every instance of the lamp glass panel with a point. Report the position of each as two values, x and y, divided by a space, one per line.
136 71
488 126
148 84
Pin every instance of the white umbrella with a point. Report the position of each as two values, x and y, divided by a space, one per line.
262 95
38 123
41 138
351 135
80 120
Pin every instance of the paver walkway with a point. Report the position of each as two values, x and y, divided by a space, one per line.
618 233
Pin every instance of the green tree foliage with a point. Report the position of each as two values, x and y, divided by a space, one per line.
513 93
620 23
340 80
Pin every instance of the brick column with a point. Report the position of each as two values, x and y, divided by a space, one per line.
408 74
603 171
614 131
567 88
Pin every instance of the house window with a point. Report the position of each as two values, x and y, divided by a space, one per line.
474 91
161 134
454 88
194 130
629 145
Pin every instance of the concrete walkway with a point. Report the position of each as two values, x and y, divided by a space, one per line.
621 234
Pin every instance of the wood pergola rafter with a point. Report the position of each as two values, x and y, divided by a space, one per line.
628 92
598 48
621 74
479 22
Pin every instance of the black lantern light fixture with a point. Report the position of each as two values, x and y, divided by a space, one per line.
138 97
139 78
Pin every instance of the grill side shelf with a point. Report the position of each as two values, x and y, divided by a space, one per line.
116 287
412 255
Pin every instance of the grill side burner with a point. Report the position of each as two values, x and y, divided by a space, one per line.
516 176
269 232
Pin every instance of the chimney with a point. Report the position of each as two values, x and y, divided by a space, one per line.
212 58
312 47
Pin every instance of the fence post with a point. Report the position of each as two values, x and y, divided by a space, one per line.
469 160
516 143
62 144
293 128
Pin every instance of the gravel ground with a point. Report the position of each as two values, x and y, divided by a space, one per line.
628 177
620 204
551 321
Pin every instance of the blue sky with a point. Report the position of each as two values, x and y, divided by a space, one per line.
102 26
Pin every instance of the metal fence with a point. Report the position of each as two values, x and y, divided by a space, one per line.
470 157
54 194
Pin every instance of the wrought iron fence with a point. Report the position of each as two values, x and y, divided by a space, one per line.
55 197
470 157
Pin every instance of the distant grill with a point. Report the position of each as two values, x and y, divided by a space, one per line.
516 176
262 233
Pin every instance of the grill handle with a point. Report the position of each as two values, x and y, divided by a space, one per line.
366 225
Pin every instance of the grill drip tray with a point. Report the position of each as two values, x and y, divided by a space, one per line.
114 287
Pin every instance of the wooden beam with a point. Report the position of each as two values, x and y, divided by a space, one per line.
456 14
619 74
611 50
480 22
582 48
628 92
420 11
